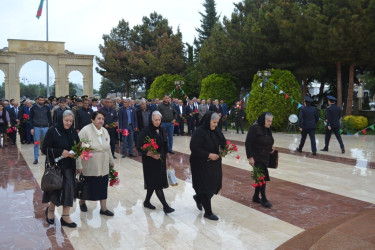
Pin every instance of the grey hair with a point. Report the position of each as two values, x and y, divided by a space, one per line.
67 113
143 101
268 115
215 116
156 113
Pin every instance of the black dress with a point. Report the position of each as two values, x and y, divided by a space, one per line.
56 140
4 124
259 142
154 171
207 174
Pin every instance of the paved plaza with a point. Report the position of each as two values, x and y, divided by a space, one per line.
327 200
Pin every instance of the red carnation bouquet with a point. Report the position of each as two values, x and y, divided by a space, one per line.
151 146
114 180
124 132
113 125
229 148
258 176
25 118
11 130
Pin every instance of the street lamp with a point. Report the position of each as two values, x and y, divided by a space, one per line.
264 75
24 79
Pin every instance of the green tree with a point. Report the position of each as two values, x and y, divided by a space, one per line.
107 86
165 84
223 86
269 99
209 19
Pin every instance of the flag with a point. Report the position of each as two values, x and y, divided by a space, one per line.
286 96
372 127
299 106
364 131
340 131
39 13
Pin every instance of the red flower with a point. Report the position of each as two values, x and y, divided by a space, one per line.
115 174
125 132
156 146
14 129
228 142
25 116
260 184
36 143
112 182
254 185
238 157
264 182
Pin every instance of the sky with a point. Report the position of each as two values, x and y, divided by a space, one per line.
81 24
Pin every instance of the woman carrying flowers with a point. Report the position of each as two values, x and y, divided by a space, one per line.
153 143
259 142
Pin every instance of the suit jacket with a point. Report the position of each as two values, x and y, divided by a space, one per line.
202 110
140 118
215 109
308 117
12 115
189 110
123 118
224 109
333 116
179 112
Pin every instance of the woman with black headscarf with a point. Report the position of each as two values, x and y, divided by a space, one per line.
205 162
259 142
58 142
154 165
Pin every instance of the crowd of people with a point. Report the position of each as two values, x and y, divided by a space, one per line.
57 123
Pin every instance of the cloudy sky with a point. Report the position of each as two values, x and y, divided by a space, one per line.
81 24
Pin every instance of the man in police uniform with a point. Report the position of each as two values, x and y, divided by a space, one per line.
110 118
308 118
333 123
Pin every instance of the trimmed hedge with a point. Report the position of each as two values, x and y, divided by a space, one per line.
164 84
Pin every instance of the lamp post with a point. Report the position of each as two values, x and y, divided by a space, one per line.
263 75
24 79
179 84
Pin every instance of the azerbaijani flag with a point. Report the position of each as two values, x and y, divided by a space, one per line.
39 13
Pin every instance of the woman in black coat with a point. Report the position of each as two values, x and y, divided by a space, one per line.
154 165
58 142
205 162
259 142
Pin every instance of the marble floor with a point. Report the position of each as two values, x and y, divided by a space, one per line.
306 192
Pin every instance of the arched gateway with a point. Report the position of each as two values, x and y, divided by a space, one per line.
19 52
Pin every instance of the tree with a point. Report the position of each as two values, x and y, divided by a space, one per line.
107 86
165 84
221 87
208 21
269 99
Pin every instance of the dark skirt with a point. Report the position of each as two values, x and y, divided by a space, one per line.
65 196
3 127
98 186
154 173
264 169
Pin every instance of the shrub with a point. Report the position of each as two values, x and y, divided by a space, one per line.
354 123
164 84
269 99
219 87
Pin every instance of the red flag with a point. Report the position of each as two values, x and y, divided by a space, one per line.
39 12
286 96
364 131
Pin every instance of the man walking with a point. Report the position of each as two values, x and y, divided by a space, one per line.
40 120
333 123
308 118
169 118
127 120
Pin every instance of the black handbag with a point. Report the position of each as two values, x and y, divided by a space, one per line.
52 178
274 159
82 191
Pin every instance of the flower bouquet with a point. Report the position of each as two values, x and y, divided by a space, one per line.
25 118
195 111
229 148
258 176
176 124
113 125
11 130
82 149
151 146
124 132
113 177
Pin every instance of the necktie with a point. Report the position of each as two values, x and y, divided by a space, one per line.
16 109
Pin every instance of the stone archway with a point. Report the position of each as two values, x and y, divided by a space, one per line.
19 52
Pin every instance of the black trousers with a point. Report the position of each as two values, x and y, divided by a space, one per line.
190 121
311 133
205 199
112 137
238 122
336 131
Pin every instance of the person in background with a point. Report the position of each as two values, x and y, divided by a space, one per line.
14 121
224 108
63 105
169 116
83 116
308 119
40 121
216 108
143 117
333 123
94 105
111 117
205 162
181 113
26 110
4 124
190 117
127 120
96 169
202 109
259 145
238 115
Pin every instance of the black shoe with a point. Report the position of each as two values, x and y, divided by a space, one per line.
83 207
168 210
64 223
131 155
256 199
314 153
324 149
171 152
149 205
299 150
35 162
124 156
107 212
265 203
49 221
343 151
114 157
211 217
199 204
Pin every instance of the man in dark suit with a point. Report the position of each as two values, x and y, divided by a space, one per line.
143 116
111 117
189 111
14 120
308 118
224 108
216 108
127 120
333 123
181 112
83 115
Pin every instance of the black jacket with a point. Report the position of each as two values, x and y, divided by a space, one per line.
83 117
333 116
308 117
258 144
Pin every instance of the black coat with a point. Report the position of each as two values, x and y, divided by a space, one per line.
140 118
333 116
308 117
83 117
154 171
207 174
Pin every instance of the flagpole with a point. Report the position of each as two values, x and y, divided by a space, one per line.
48 94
